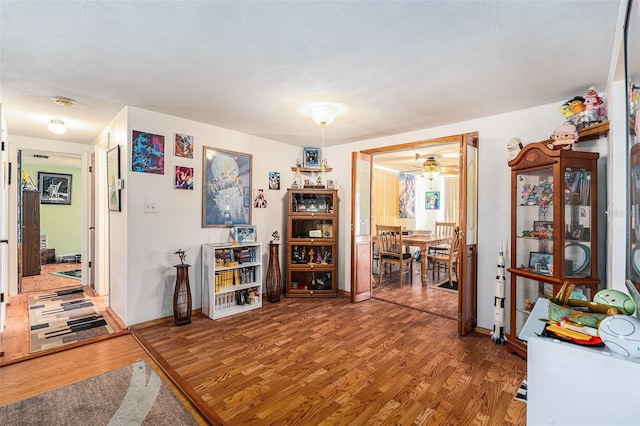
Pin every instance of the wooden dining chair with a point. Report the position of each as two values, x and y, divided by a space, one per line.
391 249
445 260
443 230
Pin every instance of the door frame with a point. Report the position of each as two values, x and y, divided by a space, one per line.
467 269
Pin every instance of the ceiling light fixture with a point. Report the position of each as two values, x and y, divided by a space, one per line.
57 127
431 169
63 101
323 114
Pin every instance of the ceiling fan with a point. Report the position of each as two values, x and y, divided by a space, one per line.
431 168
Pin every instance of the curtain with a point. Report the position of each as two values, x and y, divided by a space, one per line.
451 200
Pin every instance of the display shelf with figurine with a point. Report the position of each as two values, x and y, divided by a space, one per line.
311 260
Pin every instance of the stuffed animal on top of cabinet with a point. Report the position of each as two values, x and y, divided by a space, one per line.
565 136
514 147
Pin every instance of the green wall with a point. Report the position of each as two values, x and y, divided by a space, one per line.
61 223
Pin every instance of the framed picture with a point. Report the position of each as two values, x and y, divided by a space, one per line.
147 152
274 180
311 157
183 146
540 261
183 178
245 234
575 232
543 225
113 178
432 200
55 188
226 179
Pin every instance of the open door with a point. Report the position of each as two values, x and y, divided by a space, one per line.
92 222
468 221
361 227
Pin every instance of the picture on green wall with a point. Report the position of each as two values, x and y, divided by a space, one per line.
55 188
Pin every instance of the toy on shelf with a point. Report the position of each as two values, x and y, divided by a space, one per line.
584 112
565 136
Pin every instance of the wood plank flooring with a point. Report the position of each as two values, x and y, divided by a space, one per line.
328 361
311 362
15 337
427 298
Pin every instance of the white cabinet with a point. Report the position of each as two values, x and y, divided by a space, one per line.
231 278
569 384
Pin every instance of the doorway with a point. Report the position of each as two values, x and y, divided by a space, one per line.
50 206
432 173
362 221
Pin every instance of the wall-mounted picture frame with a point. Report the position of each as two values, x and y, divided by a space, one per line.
226 187
113 179
575 232
543 226
245 234
183 178
432 200
55 188
540 261
183 146
274 180
311 157
147 152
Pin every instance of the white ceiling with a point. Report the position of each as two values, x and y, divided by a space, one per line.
252 66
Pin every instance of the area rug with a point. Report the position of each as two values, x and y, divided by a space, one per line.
521 395
448 286
131 395
76 274
61 317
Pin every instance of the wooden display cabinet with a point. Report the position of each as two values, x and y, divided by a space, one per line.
312 249
554 228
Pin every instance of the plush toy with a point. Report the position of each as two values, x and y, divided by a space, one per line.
564 137
592 100
577 104
565 109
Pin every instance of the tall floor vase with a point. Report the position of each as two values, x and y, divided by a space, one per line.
182 296
274 278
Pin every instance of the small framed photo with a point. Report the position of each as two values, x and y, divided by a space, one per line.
183 146
246 234
311 157
540 261
330 184
543 226
274 180
576 232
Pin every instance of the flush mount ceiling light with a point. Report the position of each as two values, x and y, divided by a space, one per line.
323 114
57 127
63 101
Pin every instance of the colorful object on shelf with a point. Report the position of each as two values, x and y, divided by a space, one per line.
565 136
514 147
577 104
621 334
617 299
565 109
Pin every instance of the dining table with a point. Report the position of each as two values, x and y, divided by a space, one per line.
424 242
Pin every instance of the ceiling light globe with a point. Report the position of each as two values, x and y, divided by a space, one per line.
323 114
57 127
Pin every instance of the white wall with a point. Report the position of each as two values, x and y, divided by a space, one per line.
147 259
494 208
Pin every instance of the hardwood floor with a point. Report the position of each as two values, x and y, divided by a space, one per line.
328 361
427 298
310 361
15 337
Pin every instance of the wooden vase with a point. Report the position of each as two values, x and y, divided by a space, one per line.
182 296
274 278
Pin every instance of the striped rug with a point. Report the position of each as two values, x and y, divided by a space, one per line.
61 317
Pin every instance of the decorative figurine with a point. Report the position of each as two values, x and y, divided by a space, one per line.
513 148
182 255
565 136
275 237
312 253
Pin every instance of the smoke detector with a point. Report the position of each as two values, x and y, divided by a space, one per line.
63 101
